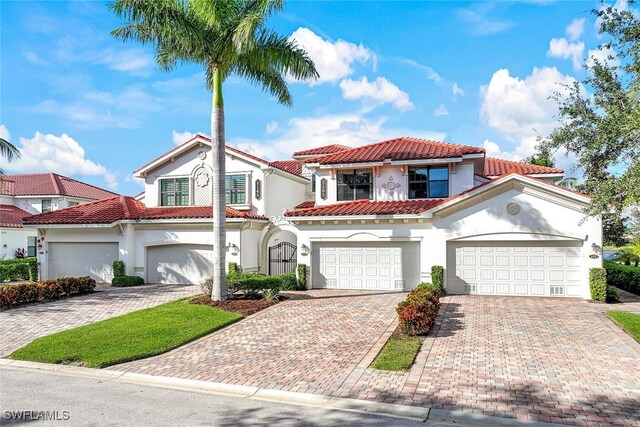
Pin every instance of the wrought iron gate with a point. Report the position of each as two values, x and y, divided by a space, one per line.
282 258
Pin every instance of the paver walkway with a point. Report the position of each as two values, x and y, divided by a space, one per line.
20 326
551 360
310 343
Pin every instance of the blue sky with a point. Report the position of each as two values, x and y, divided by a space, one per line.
83 104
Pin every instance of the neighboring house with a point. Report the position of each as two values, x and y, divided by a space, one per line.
376 217
25 195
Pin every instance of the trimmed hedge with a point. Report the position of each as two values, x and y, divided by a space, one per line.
598 284
18 269
623 276
118 268
233 268
302 276
126 281
252 284
48 290
417 314
289 282
437 277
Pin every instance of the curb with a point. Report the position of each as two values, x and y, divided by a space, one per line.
421 414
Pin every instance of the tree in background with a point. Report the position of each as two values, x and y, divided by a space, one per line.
602 129
225 37
542 158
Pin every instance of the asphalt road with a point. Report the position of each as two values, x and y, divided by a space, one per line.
96 402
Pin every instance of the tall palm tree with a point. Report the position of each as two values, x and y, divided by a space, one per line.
8 151
226 37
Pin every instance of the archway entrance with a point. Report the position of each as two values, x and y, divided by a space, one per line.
282 258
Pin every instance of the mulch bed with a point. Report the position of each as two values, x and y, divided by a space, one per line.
244 307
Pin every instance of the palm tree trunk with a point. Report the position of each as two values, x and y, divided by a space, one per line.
219 289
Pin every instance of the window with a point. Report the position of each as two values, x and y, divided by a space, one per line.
174 192
313 183
46 206
428 182
73 204
355 185
31 246
235 189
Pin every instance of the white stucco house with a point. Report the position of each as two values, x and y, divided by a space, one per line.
375 217
30 194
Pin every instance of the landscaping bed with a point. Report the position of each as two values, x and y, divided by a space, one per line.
629 322
132 336
244 307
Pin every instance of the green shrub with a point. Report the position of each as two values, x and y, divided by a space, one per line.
302 276
289 282
417 314
18 269
48 290
118 268
598 284
623 277
432 287
233 268
270 294
251 284
437 277
127 281
613 294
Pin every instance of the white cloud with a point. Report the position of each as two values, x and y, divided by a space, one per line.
271 127
520 109
138 181
180 137
32 57
60 154
494 150
376 93
602 55
457 90
575 29
332 60
4 133
480 22
429 72
353 130
134 61
441 111
562 48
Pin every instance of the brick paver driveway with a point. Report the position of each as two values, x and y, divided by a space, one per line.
22 325
553 360
311 343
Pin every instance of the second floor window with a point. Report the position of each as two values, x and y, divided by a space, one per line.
31 246
46 206
235 189
355 184
174 192
313 183
428 182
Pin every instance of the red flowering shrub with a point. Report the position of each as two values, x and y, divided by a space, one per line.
418 312
47 290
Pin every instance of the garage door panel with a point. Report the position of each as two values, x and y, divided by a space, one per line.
82 259
180 264
515 268
365 265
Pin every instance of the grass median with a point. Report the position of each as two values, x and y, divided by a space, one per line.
132 336
629 322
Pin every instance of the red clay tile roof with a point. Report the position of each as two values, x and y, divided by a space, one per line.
497 167
306 205
50 184
403 148
108 211
11 216
367 207
327 149
292 166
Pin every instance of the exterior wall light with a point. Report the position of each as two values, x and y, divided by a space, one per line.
304 250
233 249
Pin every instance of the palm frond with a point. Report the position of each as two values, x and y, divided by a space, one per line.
8 150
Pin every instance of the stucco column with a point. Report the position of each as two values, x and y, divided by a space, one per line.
130 247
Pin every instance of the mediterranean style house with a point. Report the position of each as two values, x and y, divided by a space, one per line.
25 195
375 217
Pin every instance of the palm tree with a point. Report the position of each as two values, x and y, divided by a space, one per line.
8 151
226 37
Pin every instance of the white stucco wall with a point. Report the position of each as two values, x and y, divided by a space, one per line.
282 193
12 239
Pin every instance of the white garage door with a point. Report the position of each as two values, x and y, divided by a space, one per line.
82 259
375 266
514 268
182 264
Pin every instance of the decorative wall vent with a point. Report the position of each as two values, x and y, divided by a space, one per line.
258 189
202 155
556 291
390 186
513 208
323 188
202 178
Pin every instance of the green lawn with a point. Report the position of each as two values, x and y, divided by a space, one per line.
630 322
132 336
398 353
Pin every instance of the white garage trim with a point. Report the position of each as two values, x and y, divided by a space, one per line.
389 266
82 259
524 268
179 263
